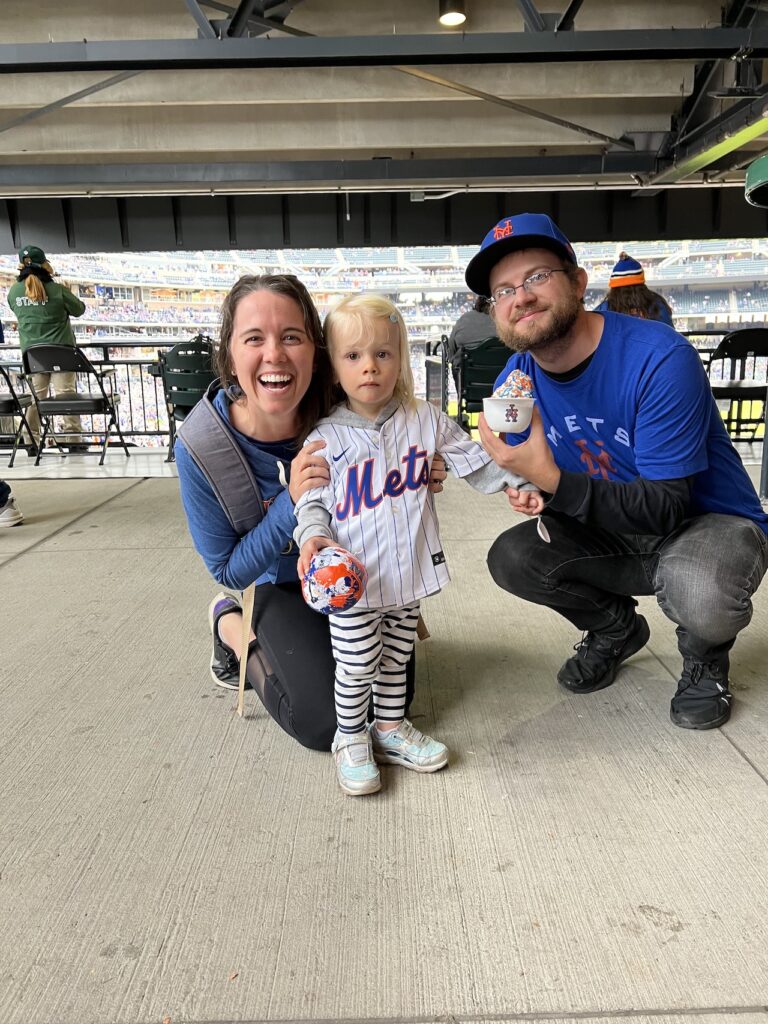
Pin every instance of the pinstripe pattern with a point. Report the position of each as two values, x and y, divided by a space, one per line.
371 648
378 498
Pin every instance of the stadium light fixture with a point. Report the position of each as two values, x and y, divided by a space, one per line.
451 13
756 184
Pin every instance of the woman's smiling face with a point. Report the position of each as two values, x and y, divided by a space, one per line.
272 358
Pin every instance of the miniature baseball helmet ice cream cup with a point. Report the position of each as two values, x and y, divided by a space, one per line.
334 581
510 408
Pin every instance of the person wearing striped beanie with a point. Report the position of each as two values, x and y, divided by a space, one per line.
629 294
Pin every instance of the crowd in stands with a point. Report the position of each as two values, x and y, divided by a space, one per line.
151 296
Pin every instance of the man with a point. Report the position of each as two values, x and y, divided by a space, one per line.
470 330
648 494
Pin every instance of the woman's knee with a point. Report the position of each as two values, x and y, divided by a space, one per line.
315 731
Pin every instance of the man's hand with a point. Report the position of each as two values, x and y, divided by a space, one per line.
530 503
533 459
309 548
437 473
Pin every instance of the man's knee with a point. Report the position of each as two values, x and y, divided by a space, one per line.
509 558
706 577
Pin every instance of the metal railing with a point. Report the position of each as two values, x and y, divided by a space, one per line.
141 410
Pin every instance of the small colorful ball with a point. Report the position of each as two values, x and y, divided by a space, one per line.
335 580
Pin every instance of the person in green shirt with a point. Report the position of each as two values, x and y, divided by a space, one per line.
43 308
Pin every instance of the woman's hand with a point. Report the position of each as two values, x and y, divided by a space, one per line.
308 470
437 473
533 459
308 549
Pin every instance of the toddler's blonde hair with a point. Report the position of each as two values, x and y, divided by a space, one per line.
353 317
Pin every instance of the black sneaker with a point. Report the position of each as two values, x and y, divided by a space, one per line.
703 700
225 668
597 658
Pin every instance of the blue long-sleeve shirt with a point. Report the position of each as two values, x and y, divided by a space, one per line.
266 554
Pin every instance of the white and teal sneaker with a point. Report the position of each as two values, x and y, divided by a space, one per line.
410 748
355 767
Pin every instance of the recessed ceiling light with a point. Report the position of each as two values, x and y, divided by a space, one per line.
451 13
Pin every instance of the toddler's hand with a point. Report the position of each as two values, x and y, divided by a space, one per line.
530 503
308 549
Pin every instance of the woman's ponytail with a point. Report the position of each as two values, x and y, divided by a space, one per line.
33 286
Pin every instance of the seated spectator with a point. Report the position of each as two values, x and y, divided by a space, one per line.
43 309
469 331
628 293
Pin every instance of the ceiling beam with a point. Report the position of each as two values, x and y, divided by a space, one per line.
568 17
239 22
739 13
520 108
123 178
206 29
383 51
533 20
31 115
743 123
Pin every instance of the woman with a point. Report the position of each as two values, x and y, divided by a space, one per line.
628 293
43 309
276 382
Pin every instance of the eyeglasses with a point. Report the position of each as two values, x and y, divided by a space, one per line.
530 284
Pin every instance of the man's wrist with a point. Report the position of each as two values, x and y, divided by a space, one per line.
550 482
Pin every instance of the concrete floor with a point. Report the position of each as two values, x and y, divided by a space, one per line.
581 858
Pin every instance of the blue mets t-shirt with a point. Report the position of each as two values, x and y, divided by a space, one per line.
643 407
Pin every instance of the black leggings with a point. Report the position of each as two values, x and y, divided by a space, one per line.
292 668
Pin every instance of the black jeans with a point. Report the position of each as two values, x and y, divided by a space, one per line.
5 492
703 575
292 668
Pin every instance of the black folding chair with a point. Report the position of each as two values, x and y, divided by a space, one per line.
186 371
95 401
15 404
478 369
741 360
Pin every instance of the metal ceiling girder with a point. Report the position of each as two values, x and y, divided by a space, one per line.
568 16
31 115
739 13
239 22
205 28
533 20
726 134
336 174
468 90
383 51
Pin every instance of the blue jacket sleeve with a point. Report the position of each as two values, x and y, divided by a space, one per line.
233 561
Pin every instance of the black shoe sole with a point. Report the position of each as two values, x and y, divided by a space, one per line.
635 643
681 721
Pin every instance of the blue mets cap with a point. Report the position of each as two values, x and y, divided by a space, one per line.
523 231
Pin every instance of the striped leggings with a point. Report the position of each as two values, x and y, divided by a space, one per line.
371 647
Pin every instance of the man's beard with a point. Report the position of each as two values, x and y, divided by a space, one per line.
551 338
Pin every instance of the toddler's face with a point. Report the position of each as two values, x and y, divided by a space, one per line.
368 367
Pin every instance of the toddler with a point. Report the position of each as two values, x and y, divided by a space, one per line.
380 442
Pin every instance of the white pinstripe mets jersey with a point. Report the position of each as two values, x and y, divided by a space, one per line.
378 503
